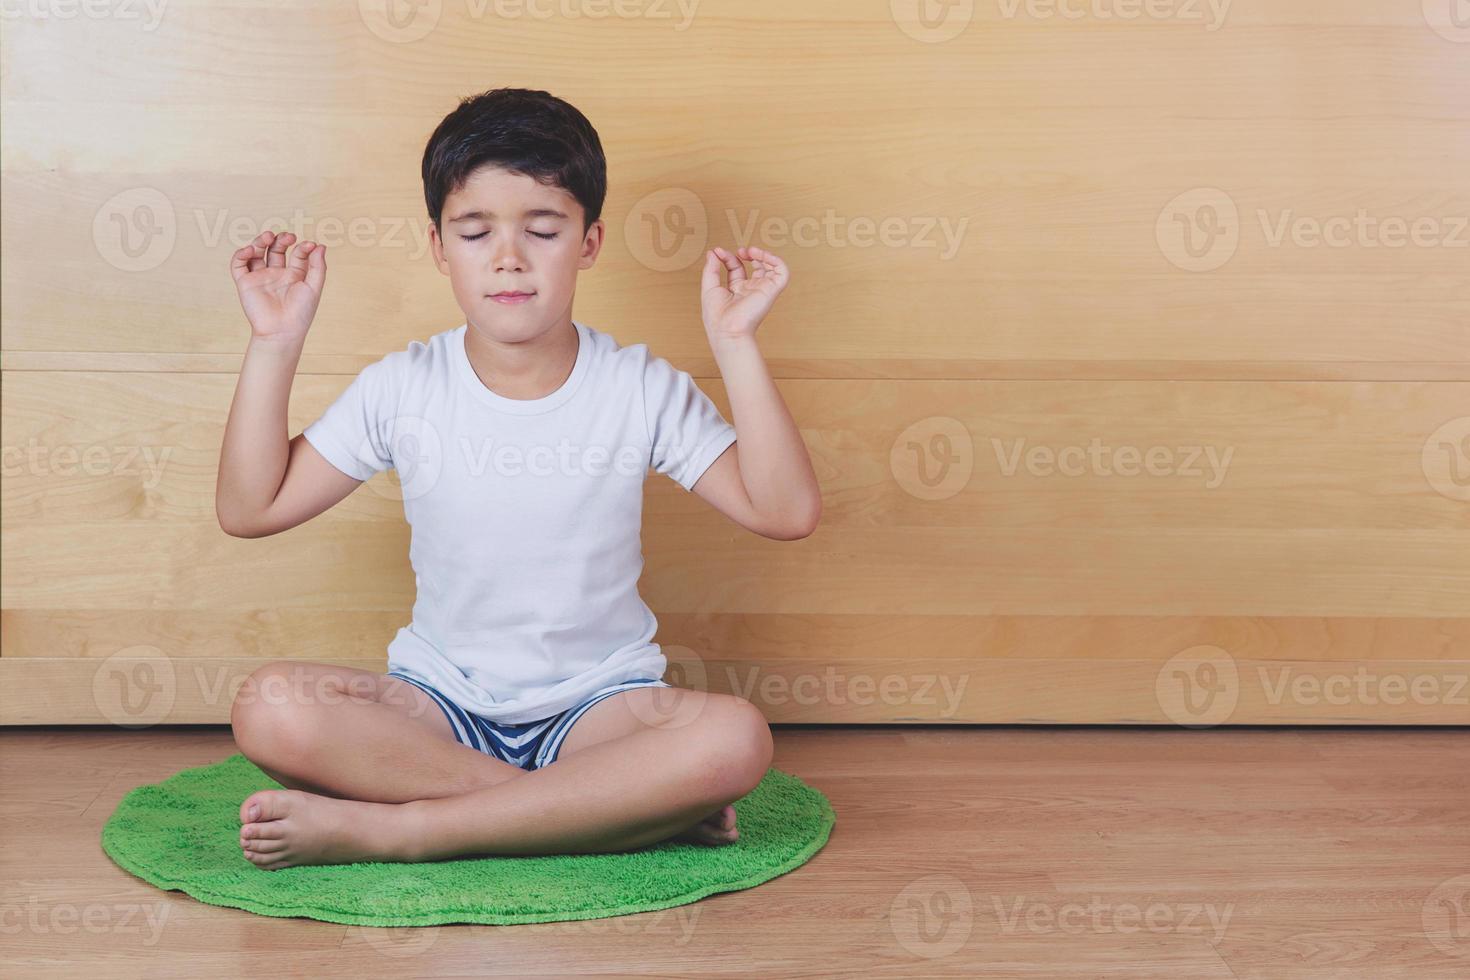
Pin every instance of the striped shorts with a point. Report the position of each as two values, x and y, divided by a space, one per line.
531 745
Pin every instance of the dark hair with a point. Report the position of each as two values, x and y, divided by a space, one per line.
525 131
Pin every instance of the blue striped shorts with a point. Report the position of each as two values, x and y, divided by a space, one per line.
531 745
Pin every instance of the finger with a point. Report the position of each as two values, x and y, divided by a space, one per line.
711 277
276 257
757 253
733 264
258 249
297 261
770 264
760 256
316 268
240 261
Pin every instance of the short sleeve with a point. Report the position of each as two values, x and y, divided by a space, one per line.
355 432
686 430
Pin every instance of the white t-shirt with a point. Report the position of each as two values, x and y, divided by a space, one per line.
526 515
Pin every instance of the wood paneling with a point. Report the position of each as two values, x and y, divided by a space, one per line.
1292 388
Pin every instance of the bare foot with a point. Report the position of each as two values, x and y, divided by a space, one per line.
290 827
715 829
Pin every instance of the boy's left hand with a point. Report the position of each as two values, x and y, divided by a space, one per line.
734 311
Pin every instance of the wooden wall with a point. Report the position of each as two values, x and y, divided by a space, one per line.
1131 342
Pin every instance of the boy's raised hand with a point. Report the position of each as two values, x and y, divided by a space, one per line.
279 294
737 309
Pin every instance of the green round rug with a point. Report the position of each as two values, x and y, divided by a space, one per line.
184 834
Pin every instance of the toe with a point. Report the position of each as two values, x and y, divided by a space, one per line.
721 821
715 829
268 862
263 806
274 830
715 835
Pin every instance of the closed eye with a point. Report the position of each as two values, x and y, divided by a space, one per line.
474 238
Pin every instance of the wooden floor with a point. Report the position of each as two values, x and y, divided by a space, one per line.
964 852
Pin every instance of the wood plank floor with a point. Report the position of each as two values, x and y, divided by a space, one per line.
958 852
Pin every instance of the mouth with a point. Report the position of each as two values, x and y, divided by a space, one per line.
511 297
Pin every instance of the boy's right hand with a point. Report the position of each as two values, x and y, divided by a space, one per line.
279 294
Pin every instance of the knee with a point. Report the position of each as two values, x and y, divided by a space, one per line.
739 748
268 718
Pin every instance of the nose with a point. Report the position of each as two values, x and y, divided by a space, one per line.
507 257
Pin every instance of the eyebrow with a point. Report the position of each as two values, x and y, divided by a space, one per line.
533 213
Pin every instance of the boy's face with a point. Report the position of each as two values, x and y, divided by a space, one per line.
506 232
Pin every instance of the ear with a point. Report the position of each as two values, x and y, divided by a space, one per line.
436 248
591 245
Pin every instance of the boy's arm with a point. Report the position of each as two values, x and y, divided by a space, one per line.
268 482
764 481
767 483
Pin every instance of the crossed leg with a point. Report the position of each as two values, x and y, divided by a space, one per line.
353 734
357 735
377 775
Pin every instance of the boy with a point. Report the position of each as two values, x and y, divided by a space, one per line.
523 711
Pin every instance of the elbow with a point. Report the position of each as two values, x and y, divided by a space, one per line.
234 527
805 526
226 524
234 530
813 517
223 514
